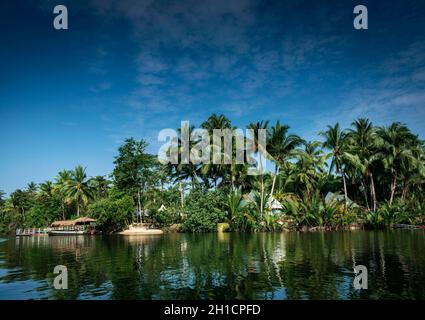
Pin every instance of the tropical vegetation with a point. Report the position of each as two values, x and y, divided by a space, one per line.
365 175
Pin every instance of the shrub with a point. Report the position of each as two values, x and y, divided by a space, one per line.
400 212
317 212
165 217
201 210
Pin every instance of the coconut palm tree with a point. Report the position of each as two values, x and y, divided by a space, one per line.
101 185
413 170
21 201
45 196
32 188
78 188
395 151
62 180
46 189
336 141
281 146
215 171
216 122
186 169
256 127
363 143
309 168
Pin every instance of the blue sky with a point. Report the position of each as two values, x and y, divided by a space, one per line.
133 68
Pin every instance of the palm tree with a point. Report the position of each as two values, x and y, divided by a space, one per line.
281 147
216 122
78 188
32 188
234 204
45 196
395 151
186 169
309 168
46 189
20 200
363 144
336 141
101 185
256 127
413 169
216 171
62 180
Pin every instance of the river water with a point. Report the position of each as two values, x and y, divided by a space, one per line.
291 265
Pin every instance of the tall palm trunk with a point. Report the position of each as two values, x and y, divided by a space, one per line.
372 192
365 192
78 207
393 186
181 194
274 180
345 191
63 210
262 190
262 197
232 178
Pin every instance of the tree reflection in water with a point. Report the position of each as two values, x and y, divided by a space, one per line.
217 266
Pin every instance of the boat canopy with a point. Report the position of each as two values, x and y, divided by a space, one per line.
69 223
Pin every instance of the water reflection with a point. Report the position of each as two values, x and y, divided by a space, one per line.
216 266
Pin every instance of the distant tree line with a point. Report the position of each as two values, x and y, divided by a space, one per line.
366 175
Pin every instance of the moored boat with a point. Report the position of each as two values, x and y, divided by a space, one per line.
80 226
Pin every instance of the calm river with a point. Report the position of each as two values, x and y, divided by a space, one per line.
216 266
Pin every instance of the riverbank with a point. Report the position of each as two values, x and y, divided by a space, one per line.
147 229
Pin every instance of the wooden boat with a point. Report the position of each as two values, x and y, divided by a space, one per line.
140 229
80 226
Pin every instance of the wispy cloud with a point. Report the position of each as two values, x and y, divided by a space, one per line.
398 95
103 86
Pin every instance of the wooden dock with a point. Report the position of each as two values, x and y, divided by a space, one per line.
32 232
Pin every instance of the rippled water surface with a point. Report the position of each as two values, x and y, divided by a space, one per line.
216 266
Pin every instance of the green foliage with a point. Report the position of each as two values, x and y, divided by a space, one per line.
163 206
133 172
317 211
270 223
379 170
409 211
204 210
112 214
166 217
10 218
78 188
42 214
245 219
2 198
